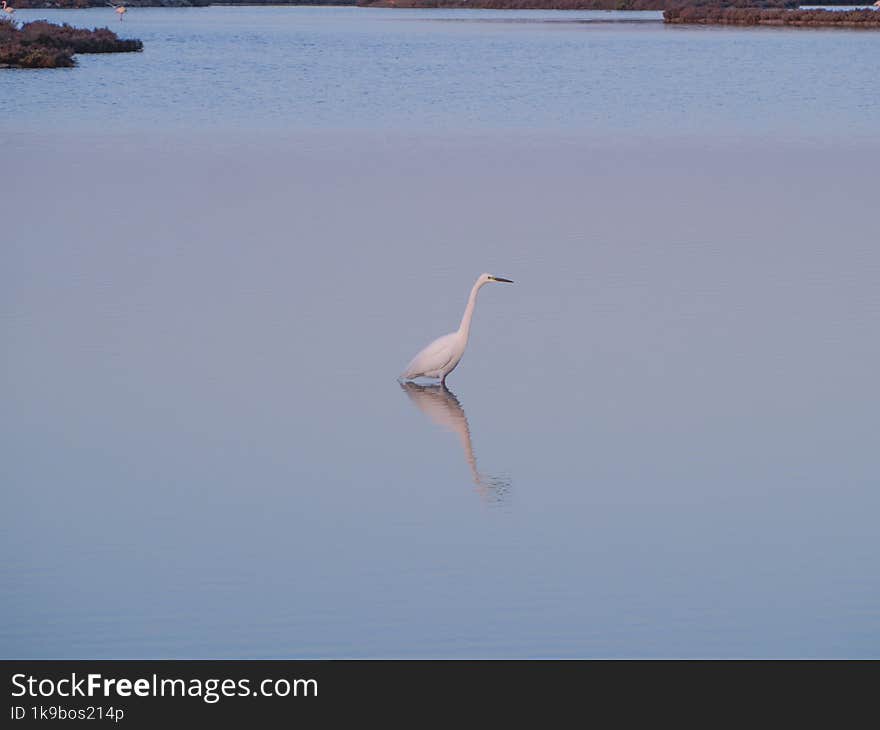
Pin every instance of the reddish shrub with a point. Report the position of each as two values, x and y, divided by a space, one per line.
45 45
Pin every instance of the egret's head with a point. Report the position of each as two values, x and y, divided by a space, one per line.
486 278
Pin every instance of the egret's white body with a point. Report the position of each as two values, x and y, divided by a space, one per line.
439 358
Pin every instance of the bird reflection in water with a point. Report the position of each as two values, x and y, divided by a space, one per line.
440 404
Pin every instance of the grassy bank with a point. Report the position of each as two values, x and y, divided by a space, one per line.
689 14
47 45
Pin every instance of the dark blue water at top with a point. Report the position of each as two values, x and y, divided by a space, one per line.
287 67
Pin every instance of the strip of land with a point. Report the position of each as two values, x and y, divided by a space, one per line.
481 4
564 4
463 4
46 45
772 16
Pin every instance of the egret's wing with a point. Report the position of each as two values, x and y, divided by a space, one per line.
432 357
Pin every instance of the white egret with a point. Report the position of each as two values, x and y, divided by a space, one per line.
439 358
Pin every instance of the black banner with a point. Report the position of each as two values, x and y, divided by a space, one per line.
177 693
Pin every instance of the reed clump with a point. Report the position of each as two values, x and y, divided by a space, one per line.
40 44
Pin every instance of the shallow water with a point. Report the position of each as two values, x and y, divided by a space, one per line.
451 70
662 440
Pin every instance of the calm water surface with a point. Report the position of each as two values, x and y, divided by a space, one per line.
612 72
218 254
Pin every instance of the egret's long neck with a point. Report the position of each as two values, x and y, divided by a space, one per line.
465 327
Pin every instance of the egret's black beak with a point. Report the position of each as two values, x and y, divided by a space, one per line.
506 281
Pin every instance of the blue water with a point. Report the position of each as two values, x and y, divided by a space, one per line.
289 67
216 256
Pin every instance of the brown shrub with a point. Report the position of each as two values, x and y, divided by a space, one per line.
705 15
45 45
80 40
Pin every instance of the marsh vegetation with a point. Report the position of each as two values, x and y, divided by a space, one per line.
41 44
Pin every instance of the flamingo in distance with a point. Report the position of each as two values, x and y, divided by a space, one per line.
7 8
120 9
439 358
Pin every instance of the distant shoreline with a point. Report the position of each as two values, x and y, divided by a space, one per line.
453 4
777 13
778 17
